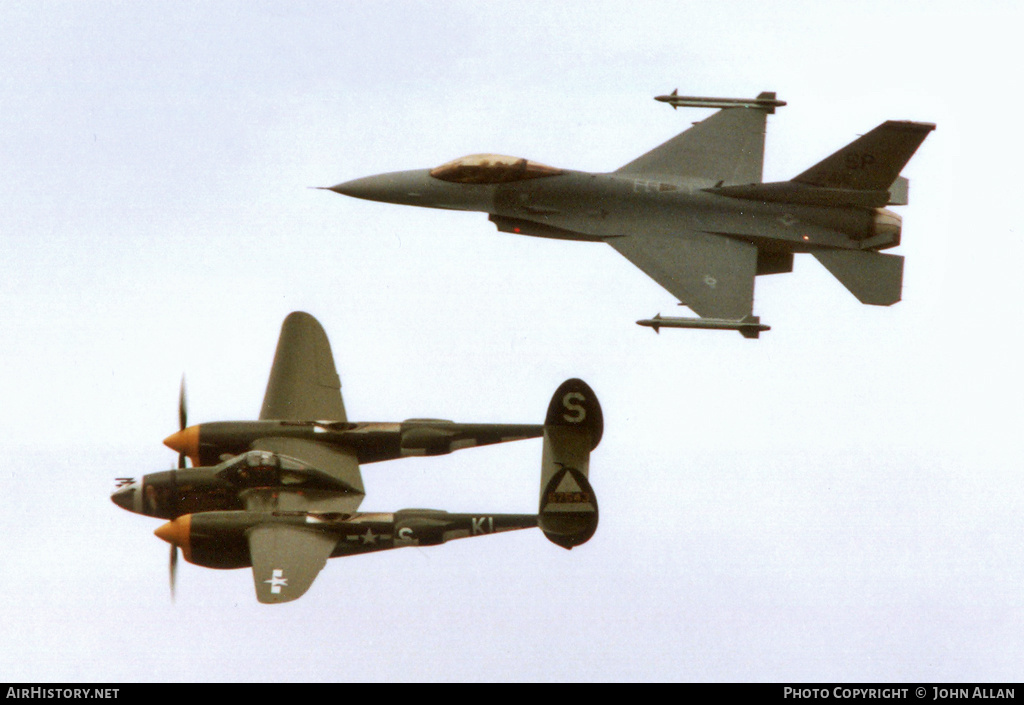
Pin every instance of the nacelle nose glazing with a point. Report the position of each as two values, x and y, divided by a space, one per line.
129 497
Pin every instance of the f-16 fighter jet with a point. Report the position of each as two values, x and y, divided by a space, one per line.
281 494
693 213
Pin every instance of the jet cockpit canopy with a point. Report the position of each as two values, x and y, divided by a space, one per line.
491 169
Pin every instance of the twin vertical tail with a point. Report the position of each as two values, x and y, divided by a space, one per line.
572 429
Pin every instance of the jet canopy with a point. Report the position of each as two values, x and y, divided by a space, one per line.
491 169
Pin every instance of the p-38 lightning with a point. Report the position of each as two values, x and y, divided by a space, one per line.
281 494
693 213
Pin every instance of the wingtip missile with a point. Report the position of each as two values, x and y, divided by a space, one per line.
748 327
764 101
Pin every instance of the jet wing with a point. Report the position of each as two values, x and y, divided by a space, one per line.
712 274
304 384
286 560
727 147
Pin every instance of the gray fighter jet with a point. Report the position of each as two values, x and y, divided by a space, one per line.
281 494
693 213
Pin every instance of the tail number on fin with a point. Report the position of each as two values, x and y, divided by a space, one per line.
569 402
580 497
856 160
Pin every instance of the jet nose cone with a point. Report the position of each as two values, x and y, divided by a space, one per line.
372 188
405 187
348 188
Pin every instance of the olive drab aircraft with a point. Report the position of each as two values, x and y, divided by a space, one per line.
693 213
281 494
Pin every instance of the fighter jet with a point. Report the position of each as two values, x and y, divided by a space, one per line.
693 213
281 494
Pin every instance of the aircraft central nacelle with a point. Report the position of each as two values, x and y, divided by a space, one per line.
173 493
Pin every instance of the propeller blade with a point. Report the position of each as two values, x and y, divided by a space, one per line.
174 569
182 419
182 407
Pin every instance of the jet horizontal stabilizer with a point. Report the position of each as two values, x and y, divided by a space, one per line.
874 278
748 327
764 101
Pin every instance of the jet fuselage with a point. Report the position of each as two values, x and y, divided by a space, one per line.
576 205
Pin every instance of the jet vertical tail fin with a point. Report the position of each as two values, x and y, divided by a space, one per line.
572 428
871 162
863 174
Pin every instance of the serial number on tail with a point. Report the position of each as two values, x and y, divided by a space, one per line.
569 498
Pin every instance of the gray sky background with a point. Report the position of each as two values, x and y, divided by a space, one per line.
839 500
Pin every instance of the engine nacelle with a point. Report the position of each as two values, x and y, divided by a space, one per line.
212 539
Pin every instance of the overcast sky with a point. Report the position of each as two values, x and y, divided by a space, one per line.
840 500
